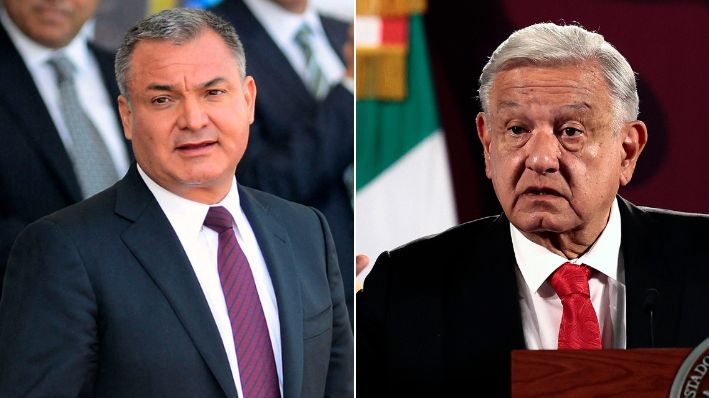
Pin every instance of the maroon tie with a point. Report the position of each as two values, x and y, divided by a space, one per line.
257 367
579 325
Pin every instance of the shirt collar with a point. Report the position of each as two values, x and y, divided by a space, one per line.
36 55
281 24
536 263
187 216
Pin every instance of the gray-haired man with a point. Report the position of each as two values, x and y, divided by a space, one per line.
569 265
177 281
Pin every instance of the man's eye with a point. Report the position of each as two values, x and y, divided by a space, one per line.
160 100
516 130
215 92
571 132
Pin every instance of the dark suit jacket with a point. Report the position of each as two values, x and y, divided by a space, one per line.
100 300
298 147
440 315
36 174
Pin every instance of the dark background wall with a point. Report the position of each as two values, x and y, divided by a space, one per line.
666 43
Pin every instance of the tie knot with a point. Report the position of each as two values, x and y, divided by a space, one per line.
63 68
218 218
304 36
571 279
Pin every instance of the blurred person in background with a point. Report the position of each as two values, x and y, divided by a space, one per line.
59 125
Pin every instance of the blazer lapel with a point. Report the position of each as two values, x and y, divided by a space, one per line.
156 246
31 111
648 265
482 315
274 243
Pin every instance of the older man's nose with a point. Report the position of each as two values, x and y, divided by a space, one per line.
543 152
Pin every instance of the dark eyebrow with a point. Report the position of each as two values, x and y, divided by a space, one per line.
161 87
213 82
172 87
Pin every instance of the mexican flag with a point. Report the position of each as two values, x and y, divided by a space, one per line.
404 187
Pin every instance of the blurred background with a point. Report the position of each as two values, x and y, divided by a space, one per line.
114 17
666 43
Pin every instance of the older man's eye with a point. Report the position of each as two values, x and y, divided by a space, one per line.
571 132
516 130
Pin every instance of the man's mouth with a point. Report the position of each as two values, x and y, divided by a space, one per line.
541 191
195 146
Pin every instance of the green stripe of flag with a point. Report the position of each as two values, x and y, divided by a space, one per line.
387 130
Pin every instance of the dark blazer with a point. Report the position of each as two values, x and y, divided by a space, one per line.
100 300
36 174
440 315
298 148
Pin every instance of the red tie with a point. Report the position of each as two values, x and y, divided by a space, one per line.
579 328
257 367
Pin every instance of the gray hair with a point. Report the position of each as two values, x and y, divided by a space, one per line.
178 25
548 44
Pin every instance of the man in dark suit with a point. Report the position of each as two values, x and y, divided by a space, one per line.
177 281
302 141
569 265
37 173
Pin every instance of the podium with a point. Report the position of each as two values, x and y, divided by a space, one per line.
604 373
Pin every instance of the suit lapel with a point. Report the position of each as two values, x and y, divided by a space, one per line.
275 245
647 266
490 268
481 309
156 246
21 97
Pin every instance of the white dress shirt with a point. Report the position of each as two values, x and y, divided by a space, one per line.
90 87
541 307
200 244
282 25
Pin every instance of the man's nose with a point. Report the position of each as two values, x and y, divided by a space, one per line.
193 116
543 150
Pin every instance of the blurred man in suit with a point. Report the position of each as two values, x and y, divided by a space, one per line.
569 265
177 281
58 118
302 141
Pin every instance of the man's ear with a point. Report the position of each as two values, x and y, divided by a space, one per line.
484 134
249 89
126 116
634 141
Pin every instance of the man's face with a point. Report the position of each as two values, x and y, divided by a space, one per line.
550 149
189 114
51 23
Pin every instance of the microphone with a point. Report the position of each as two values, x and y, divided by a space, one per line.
651 295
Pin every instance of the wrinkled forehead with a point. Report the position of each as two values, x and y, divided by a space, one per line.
198 60
574 86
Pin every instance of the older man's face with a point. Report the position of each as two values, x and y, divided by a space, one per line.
550 149
189 114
